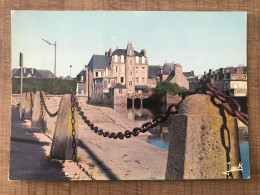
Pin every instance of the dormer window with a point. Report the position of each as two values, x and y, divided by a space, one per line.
143 60
116 58
137 60
122 59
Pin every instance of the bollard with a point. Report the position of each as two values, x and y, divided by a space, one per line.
28 106
203 140
61 147
38 124
23 104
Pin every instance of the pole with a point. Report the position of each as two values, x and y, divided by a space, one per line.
21 90
55 61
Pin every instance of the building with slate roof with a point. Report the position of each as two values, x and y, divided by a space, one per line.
231 80
126 67
32 72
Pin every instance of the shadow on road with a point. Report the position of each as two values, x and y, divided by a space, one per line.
100 163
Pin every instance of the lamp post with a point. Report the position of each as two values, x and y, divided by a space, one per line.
70 71
21 90
55 45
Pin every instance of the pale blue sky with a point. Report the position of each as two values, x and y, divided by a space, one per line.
197 40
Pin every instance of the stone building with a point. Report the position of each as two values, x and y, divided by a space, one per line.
126 67
176 76
231 80
32 73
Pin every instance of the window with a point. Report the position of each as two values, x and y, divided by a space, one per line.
130 62
142 80
235 85
143 60
130 83
122 79
120 91
143 70
116 68
96 74
136 79
116 58
130 72
136 69
102 74
122 58
108 81
82 78
137 60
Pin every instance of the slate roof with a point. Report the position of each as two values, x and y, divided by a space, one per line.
118 86
28 71
189 74
120 52
153 71
167 68
99 62
141 87
46 73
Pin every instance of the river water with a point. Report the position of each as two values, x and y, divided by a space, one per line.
160 136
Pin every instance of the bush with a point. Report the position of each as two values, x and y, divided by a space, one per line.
168 87
49 86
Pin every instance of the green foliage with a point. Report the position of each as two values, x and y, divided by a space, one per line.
168 87
49 86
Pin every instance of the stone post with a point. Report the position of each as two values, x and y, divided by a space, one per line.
37 122
62 139
23 104
28 107
203 139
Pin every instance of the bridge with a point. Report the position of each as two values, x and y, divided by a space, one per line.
137 99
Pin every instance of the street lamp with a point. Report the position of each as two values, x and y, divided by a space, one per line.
70 71
55 45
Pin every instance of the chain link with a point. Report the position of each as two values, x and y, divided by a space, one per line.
74 145
42 117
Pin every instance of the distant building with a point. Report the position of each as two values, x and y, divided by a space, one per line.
176 76
231 80
32 72
154 74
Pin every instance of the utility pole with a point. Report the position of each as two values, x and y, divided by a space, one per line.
21 90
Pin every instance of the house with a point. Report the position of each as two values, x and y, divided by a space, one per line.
154 75
176 76
32 72
231 80
126 67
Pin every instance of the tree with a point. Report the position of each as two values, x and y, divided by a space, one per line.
168 87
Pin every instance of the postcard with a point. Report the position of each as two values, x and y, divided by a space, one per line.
129 95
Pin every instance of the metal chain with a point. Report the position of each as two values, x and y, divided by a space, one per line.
74 145
31 102
45 106
42 116
127 134
232 107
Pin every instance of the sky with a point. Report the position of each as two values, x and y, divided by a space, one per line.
199 41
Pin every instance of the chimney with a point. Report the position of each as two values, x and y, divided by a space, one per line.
106 53
32 70
222 70
210 71
192 73
205 73
143 52
110 52
177 69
